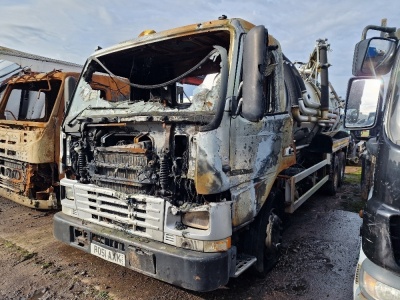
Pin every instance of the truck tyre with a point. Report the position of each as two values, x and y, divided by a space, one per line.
341 157
333 183
265 235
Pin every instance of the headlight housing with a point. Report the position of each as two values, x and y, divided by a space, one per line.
196 219
376 289
69 192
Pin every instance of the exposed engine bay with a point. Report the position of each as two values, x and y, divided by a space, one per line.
145 147
133 162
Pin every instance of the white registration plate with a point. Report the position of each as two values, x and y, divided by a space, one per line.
108 255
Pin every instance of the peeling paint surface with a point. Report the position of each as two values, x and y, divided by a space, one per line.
260 151
212 155
29 145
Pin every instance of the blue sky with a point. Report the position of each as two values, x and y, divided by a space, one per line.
72 29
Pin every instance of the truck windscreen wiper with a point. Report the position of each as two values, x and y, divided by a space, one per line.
93 108
78 114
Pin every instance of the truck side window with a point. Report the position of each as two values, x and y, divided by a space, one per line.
33 102
269 86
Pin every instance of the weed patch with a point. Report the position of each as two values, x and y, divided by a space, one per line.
21 252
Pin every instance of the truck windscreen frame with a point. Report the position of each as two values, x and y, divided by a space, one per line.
30 101
149 72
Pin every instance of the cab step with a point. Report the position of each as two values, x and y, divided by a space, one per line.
243 262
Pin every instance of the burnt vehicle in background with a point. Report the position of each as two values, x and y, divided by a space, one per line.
31 111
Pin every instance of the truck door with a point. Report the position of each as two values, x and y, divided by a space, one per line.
257 147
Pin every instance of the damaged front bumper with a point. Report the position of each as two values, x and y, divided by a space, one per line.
189 269
45 204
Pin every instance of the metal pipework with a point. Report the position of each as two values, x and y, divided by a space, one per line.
324 65
309 102
307 111
332 116
332 121
300 118
390 30
326 123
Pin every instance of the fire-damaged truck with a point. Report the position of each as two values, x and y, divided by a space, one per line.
373 104
188 177
31 112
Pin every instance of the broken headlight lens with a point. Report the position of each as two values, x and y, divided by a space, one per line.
376 289
196 219
217 246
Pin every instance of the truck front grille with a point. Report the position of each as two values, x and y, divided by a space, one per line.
122 170
118 158
140 215
12 175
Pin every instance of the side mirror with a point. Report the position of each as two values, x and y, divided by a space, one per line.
254 54
363 101
374 56
69 87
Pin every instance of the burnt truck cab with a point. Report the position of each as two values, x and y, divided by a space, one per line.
182 176
149 174
378 270
31 111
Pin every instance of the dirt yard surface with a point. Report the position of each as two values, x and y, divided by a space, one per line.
319 255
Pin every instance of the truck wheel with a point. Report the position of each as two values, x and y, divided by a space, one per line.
333 183
341 157
265 235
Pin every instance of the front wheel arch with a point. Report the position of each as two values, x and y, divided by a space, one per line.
264 237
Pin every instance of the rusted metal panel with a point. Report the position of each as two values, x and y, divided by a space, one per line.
46 204
29 149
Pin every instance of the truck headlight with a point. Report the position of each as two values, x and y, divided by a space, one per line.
196 219
376 289
69 192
